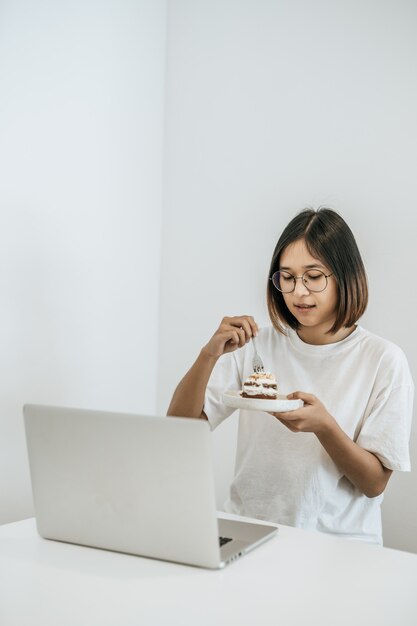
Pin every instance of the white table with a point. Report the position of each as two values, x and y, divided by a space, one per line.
298 578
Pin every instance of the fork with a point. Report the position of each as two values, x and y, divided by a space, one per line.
257 364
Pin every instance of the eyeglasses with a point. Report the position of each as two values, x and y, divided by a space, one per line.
313 280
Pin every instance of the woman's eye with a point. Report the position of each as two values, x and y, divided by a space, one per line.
286 279
314 276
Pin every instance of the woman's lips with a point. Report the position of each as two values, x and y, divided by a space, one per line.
304 308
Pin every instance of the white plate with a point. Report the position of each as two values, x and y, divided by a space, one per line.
234 400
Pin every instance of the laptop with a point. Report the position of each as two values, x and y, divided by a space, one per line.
137 484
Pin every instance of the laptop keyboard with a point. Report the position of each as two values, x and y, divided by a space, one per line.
223 540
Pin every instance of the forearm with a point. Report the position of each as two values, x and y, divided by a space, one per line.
362 468
188 398
233 333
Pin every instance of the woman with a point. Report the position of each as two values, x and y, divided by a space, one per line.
324 466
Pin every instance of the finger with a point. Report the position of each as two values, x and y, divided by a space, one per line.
285 415
243 321
254 326
280 418
309 398
247 328
242 337
287 425
230 337
234 337
292 416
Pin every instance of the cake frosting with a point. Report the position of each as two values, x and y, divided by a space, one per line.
260 385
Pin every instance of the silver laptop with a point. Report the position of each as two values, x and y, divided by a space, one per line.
131 483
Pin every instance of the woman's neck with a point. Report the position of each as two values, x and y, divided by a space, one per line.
319 336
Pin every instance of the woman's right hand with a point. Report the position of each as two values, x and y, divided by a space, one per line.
233 333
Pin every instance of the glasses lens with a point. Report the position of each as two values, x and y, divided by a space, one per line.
315 280
283 281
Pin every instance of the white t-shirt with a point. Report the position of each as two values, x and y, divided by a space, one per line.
364 382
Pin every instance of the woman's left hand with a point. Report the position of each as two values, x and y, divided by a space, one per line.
313 417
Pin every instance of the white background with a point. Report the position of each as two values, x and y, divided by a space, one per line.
81 128
167 144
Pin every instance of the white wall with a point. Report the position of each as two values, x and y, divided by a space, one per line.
81 134
273 106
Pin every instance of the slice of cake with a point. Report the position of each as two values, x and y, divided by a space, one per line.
260 385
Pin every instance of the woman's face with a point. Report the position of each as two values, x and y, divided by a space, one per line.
315 311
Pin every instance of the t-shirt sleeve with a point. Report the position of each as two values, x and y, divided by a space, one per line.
386 431
225 376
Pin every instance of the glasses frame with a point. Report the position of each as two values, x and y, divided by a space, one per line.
295 278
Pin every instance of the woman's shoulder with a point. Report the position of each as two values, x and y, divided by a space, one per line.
379 344
386 352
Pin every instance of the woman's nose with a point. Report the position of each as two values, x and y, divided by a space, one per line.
300 287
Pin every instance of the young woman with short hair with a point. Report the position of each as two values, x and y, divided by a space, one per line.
324 466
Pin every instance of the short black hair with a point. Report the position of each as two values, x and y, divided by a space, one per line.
329 239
